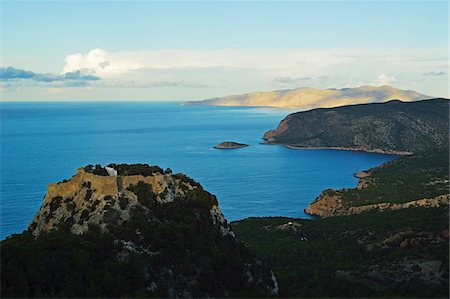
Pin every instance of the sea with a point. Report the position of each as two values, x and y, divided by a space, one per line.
44 142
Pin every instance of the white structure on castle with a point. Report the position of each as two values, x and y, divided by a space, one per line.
111 171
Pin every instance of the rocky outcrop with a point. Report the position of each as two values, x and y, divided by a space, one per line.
168 222
308 98
86 199
330 203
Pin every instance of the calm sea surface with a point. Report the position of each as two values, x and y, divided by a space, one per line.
47 142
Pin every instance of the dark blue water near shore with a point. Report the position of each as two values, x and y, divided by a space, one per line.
47 142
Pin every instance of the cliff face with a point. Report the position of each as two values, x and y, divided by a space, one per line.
309 98
388 127
165 225
331 204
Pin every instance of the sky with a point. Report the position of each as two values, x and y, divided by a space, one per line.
149 50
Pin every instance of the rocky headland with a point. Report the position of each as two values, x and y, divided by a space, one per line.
161 234
394 127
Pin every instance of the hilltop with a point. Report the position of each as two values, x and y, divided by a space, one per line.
130 231
309 98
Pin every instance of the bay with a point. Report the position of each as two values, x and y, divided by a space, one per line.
46 142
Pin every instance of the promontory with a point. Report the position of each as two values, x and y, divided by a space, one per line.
130 231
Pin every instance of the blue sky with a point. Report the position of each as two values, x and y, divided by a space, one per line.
194 50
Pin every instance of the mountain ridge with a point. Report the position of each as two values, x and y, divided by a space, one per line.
310 98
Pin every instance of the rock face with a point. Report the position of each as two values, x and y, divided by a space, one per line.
392 127
230 145
168 221
309 98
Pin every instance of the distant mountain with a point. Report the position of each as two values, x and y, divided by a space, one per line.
394 126
144 233
308 98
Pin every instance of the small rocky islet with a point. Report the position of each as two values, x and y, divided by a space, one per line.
230 145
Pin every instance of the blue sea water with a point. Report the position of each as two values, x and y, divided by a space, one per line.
47 142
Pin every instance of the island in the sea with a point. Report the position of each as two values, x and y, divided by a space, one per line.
230 145
309 98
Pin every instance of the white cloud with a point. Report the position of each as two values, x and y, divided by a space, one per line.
384 79
101 62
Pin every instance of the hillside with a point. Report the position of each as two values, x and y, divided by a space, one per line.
309 98
143 233
389 127
395 254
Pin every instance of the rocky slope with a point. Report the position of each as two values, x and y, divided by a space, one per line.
389 127
309 98
162 230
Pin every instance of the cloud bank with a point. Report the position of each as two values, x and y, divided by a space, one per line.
74 78
196 74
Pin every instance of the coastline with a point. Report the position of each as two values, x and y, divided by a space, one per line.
355 149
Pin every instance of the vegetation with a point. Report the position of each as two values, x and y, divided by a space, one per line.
61 264
136 169
144 193
422 175
97 170
362 255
